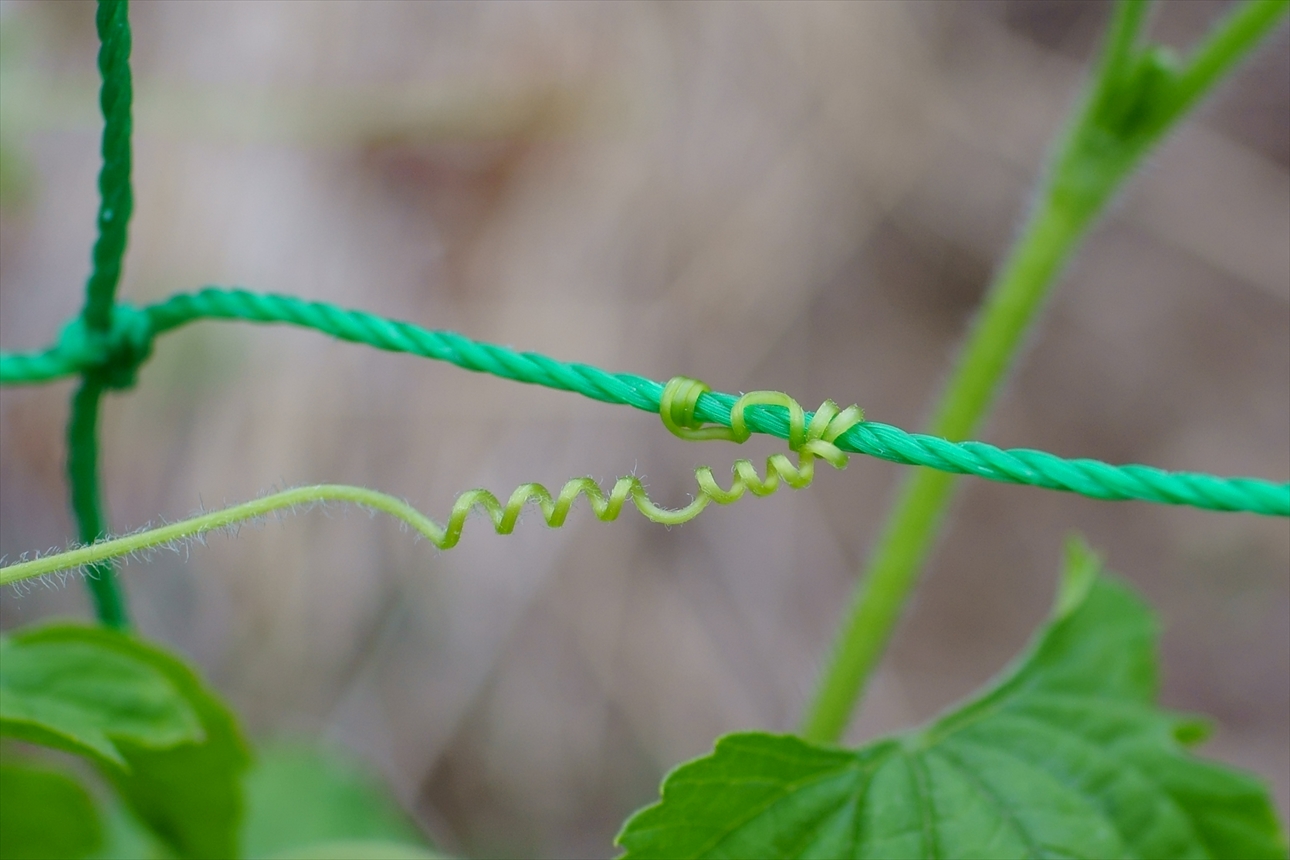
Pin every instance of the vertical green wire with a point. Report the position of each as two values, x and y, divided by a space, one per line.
82 471
116 198
115 206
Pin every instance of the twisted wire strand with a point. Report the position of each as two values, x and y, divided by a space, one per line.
811 440
1091 478
116 197
101 326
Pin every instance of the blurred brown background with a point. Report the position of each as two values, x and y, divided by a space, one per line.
797 196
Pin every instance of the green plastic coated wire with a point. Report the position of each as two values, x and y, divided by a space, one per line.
87 505
116 198
132 330
98 329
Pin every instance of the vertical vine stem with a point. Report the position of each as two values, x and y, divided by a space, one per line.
116 204
1137 94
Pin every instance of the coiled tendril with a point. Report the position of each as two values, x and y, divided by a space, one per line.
809 440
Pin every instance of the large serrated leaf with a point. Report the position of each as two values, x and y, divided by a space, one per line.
184 785
1065 755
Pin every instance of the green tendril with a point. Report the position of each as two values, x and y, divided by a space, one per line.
808 440
677 406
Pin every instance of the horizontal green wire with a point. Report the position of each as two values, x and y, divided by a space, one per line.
1090 478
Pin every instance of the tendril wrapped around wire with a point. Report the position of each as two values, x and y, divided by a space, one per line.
810 440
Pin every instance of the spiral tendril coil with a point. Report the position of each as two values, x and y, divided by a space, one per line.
808 440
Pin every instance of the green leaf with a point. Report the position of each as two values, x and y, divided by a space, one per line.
1064 755
300 796
45 814
77 696
184 785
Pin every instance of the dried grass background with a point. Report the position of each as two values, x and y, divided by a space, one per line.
797 196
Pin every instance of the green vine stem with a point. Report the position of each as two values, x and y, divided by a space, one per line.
1138 93
98 553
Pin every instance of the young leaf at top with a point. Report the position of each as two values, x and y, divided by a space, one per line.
169 746
1065 755
45 814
